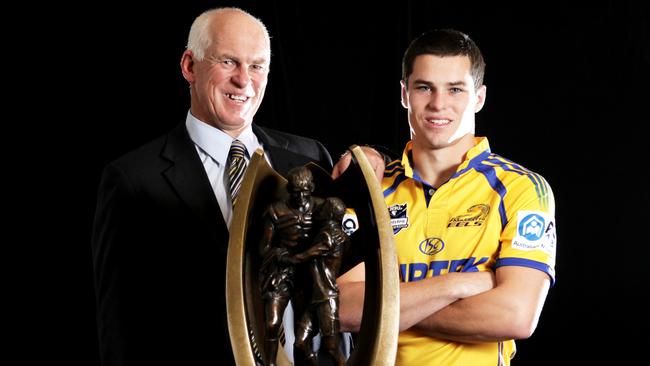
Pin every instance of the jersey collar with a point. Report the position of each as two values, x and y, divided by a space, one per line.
481 145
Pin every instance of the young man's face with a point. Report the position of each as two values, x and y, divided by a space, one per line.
441 101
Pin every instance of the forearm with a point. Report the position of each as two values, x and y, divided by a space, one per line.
474 319
351 297
509 311
418 299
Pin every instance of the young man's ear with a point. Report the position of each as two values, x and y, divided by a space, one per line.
405 96
480 98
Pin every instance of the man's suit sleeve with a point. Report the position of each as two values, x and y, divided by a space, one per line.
112 233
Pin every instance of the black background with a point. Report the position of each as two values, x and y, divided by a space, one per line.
567 97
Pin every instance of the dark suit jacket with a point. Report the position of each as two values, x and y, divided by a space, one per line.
159 250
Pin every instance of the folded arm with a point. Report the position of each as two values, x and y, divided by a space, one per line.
418 300
510 310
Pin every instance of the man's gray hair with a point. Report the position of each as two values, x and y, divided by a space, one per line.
200 38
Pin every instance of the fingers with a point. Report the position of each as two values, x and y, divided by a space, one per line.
342 164
379 171
376 161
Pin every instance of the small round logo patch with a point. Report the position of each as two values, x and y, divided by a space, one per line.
431 246
532 227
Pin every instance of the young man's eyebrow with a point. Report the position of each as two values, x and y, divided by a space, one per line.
430 84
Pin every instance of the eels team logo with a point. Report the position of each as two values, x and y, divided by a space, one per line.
431 246
398 217
475 216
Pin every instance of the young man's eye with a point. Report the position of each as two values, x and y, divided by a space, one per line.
456 90
422 88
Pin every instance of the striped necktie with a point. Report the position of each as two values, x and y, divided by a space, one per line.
236 167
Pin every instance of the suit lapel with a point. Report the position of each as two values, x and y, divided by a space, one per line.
188 178
276 146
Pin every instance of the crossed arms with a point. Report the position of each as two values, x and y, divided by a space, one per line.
462 307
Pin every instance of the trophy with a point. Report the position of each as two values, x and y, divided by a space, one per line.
289 242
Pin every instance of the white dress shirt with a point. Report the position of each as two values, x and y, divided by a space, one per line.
213 145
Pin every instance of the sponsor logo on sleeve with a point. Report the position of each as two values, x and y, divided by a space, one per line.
350 223
535 231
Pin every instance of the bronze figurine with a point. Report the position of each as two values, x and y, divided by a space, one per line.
301 246
287 227
321 313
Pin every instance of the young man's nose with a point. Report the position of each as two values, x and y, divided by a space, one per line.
436 101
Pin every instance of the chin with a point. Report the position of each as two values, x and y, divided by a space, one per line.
235 123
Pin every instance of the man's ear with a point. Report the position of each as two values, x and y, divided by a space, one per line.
405 96
480 98
187 66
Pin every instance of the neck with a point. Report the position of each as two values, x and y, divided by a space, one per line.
436 166
232 131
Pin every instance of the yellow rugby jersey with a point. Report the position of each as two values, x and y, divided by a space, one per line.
491 213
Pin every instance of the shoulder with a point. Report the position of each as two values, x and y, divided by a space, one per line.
141 153
317 202
284 139
511 172
292 150
521 183
155 155
394 168
275 209
138 162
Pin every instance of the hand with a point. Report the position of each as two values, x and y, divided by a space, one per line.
375 159
474 283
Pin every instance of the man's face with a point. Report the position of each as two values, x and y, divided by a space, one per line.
441 101
230 81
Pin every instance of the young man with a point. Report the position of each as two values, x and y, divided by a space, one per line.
474 232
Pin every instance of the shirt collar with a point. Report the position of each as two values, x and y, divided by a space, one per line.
215 142
480 145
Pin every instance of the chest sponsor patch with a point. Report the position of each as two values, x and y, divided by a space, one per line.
431 246
398 217
535 231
